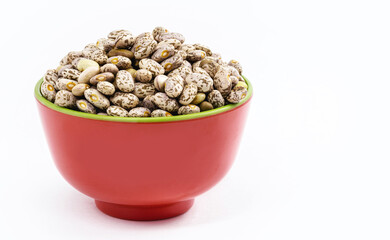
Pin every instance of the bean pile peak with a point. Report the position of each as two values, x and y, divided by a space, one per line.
154 74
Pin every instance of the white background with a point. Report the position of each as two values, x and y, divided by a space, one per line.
314 159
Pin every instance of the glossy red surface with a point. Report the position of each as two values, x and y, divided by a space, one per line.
149 167
146 212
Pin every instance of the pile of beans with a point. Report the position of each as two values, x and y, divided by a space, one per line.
150 75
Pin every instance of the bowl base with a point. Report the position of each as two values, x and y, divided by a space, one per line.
144 212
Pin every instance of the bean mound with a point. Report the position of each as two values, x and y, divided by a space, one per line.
151 75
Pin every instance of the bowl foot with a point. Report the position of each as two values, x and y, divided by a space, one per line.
144 212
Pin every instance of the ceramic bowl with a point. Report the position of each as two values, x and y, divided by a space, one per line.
143 168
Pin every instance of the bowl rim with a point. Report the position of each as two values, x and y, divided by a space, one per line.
228 107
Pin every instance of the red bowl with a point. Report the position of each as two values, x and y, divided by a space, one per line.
143 168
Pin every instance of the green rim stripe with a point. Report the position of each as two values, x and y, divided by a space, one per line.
225 108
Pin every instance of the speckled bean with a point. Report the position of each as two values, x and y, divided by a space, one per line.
172 63
143 35
48 91
173 86
165 103
96 98
109 67
143 75
204 82
179 79
105 44
201 71
157 31
163 52
89 49
124 81
64 98
195 65
154 67
117 111
106 76
217 57
187 48
106 88
99 56
79 89
160 113
114 34
84 106
189 93
233 72
234 80
70 73
51 77
186 64
66 84
124 41
61 68
143 47
139 112
216 99
182 53
142 90
210 66
148 103
174 42
237 94
159 82
125 100
171 35
70 57
183 71
222 81
183 110
236 65
120 61
204 48
196 55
